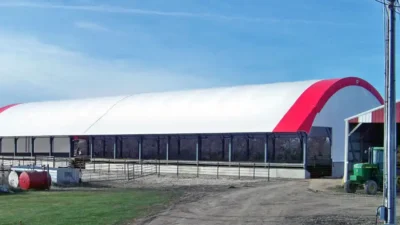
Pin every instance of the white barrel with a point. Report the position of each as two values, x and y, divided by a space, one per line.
13 179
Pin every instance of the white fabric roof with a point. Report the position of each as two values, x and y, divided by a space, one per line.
250 108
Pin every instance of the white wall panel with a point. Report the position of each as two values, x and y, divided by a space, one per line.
7 145
42 145
61 145
23 145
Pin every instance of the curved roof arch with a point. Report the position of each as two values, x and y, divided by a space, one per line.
276 107
302 114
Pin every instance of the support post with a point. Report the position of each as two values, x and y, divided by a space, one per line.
33 146
1 145
230 148
104 147
248 148
266 149
179 147
158 148
223 149
305 140
115 148
140 148
121 147
51 146
273 149
71 147
15 146
167 148
198 148
91 147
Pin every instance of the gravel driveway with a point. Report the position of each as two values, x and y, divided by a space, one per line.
272 203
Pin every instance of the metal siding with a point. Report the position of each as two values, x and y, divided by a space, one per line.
353 120
376 116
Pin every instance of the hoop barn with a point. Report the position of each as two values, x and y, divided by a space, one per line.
287 125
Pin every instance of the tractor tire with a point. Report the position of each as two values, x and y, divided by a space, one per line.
350 187
371 187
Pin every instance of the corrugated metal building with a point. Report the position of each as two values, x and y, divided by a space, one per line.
266 109
364 130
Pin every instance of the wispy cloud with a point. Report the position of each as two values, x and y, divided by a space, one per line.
32 70
91 26
136 11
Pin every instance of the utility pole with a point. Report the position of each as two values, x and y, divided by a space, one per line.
390 118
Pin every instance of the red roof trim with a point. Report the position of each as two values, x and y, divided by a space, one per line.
301 115
2 109
353 120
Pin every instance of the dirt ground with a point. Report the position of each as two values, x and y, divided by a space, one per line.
290 202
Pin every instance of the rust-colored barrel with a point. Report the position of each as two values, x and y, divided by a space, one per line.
34 180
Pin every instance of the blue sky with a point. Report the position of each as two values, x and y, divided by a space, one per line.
86 48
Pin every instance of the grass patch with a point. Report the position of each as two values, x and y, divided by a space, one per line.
79 207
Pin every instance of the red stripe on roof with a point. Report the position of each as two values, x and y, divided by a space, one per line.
2 109
354 120
301 115
378 116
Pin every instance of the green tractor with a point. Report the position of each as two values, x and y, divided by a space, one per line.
368 175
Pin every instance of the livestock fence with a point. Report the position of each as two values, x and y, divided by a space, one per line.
118 169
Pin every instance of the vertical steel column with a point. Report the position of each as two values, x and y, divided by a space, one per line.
115 147
121 147
158 147
266 149
273 150
305 145
197 150
33 146
51 146
15 146
230 148
346 151
223 149
104 147
248 148
71 147
91 139
179 147
140 147
167 148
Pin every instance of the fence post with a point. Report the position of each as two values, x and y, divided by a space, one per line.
94 165
269 167
141 167
218 170
239 170
133 170
109 162
54 162
125 167
128 170
197 169
159 168
177 168
254 170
